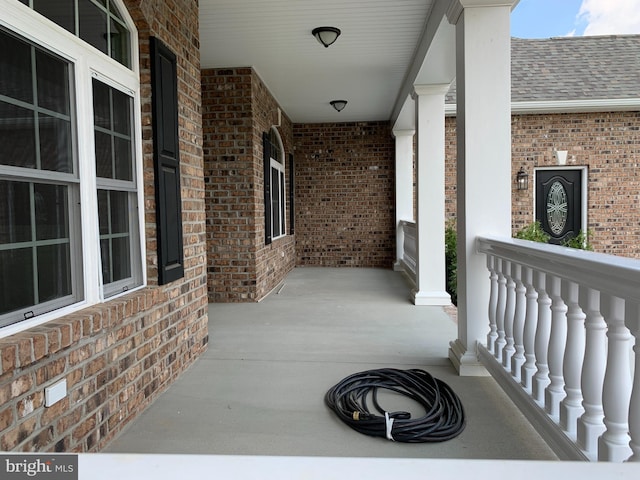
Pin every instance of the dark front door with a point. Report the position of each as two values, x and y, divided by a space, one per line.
559 203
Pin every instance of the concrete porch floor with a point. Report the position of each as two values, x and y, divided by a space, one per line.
259 388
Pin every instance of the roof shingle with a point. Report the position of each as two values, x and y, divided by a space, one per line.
573 68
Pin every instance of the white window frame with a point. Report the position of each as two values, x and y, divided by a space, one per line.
279 166
87 63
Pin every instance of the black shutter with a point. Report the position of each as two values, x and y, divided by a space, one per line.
166 153
292 215
266 147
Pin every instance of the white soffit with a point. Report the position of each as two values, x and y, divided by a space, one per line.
366 66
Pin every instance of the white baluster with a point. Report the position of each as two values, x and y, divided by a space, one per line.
613 445
557 342
590 424
518 322
502 303
571 407
530 326
493 304
509 312
632 314
543 332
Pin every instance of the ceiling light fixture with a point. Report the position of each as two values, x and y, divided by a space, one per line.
326 35
338 104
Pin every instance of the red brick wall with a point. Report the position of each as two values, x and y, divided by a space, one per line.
237 109
608 144
118 356
345 194
274 261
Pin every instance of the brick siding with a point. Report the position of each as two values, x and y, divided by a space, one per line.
118 356
608 144
345 194
237 109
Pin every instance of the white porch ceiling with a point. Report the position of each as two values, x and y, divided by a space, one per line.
368 65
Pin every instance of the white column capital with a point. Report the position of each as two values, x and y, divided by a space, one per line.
431 89
403 133
457 6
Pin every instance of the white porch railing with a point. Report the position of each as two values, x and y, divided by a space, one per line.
562 324
409 248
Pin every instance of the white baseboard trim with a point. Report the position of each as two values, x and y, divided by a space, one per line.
548 429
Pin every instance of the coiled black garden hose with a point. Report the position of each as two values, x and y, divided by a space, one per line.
444 418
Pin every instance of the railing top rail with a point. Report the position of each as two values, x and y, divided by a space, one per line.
618 276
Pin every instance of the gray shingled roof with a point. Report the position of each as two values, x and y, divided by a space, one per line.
574 68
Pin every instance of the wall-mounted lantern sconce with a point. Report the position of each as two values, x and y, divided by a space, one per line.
326 35
522 179
338 104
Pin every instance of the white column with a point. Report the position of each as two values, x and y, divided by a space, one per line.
430 268
483 90
404 187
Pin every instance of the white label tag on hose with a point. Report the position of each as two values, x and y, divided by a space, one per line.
389 422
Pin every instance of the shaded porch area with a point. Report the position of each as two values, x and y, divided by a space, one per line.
259 388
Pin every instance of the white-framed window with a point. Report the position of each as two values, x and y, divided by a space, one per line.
70 162
278 197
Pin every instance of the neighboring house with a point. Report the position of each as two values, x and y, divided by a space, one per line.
580 96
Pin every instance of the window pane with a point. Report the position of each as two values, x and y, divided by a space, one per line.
58 11
54 272
52 207
112 112
53 83
101 108
123 159
105 254
121 258
119 212
104 157
121 112
282 204
113 9
15 68
17 136
93 24
275 203
120 43
55 144
115 242
17 279
15 213
103 211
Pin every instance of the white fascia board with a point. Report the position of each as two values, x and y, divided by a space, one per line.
566 106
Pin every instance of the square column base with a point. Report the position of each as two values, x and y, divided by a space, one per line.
466 363
430 298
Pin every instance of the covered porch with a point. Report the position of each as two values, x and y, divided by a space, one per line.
259 388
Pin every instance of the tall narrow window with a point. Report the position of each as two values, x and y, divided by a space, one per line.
278 198
117 192
38 183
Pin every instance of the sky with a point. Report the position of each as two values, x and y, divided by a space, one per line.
560 18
